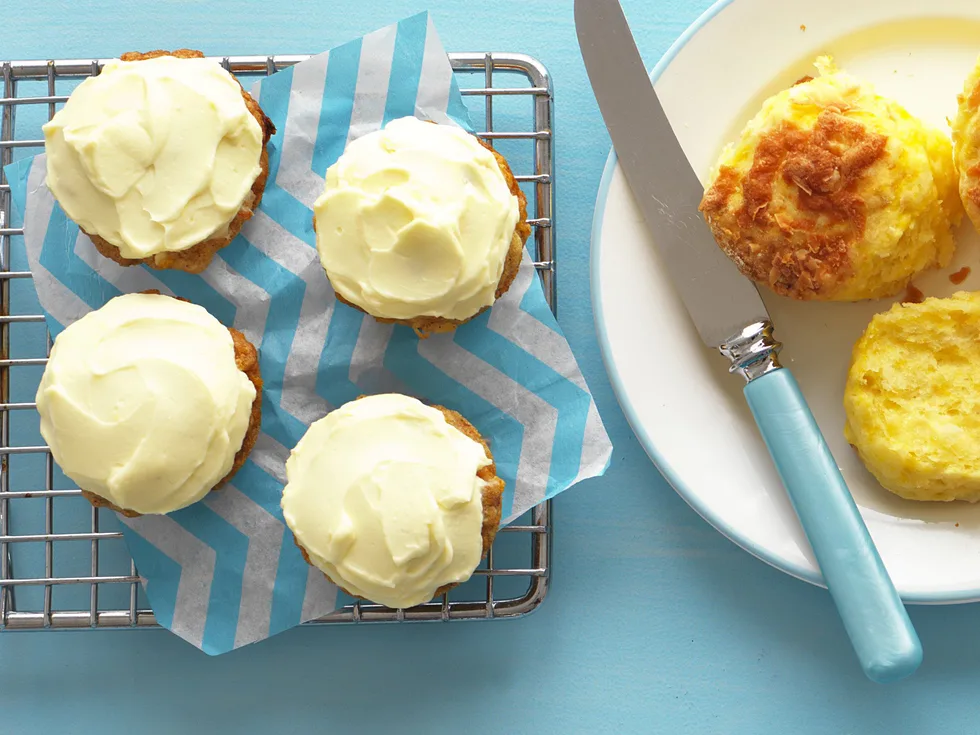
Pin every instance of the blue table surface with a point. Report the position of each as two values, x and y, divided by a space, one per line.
655 623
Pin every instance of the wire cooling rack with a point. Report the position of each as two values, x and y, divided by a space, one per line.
59 566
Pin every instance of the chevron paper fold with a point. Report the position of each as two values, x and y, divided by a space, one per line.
225 572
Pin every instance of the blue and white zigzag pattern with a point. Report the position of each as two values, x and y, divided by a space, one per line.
225 572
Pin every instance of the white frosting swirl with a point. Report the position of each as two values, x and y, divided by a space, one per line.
416 220
383 495
154 155
142 403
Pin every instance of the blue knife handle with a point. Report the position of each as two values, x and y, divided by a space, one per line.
874 616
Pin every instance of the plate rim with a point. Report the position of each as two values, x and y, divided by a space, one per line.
660 462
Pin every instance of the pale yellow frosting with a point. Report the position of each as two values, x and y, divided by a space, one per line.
416 220
141 402
154 155
383 495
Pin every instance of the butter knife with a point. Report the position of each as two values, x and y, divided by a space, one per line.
730 316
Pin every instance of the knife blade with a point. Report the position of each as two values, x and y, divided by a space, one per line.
719 299
729 315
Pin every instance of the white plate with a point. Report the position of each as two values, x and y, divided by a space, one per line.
686 410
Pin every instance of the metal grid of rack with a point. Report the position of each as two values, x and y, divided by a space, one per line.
77 538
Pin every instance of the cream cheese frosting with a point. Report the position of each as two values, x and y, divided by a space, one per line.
383 495
416 220
142 403
154 156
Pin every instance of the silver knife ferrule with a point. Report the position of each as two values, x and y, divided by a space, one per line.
753 351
